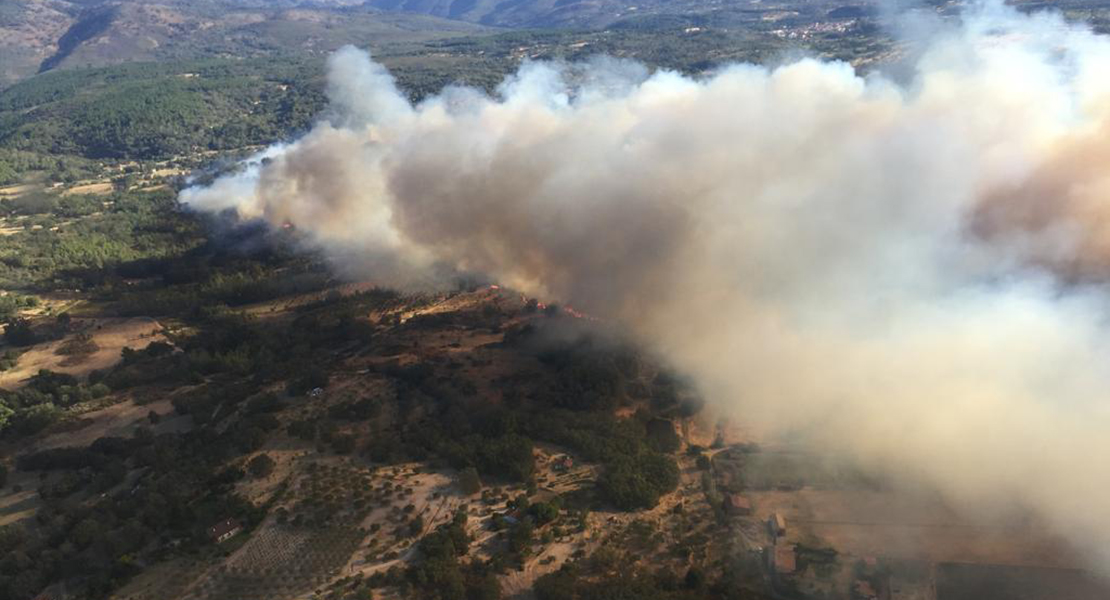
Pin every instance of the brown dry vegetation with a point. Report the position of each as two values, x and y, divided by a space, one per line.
372 507
119 419
96 188
109 335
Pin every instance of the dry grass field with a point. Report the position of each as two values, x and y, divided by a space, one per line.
96 188
120 420
110 336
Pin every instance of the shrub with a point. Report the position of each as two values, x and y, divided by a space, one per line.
261 466
469 482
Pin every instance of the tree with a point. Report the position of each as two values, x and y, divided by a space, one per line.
18 332
521 539
661 436
695 579
6 414
437 572
35 418
416 526
544 512
265 403
469 482
261 466
313 378
484 586
343 444
509 456
635 482
555 586
86 532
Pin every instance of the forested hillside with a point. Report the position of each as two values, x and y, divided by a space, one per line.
150 110
42 35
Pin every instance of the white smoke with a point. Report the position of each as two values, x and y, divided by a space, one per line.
911 273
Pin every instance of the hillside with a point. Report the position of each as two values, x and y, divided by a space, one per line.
169 108
41 35
592 14
157 110
338 424
206 406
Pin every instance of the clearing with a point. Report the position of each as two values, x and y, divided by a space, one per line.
110 336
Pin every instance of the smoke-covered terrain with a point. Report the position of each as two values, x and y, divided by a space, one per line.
910 271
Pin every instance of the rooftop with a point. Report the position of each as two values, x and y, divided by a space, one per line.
224 527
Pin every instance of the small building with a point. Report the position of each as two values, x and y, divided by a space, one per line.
737 505
224 530
777 525
563 464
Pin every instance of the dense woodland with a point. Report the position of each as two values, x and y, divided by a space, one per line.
56 122
156 111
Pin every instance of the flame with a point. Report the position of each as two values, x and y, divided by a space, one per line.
579 315
566 308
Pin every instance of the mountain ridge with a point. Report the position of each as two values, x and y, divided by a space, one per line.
42 35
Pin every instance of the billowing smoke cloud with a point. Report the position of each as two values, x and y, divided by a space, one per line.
912 273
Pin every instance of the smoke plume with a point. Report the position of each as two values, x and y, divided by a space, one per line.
913 273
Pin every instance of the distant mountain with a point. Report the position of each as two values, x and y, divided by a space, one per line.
537 13
41 35
752 14
594 14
